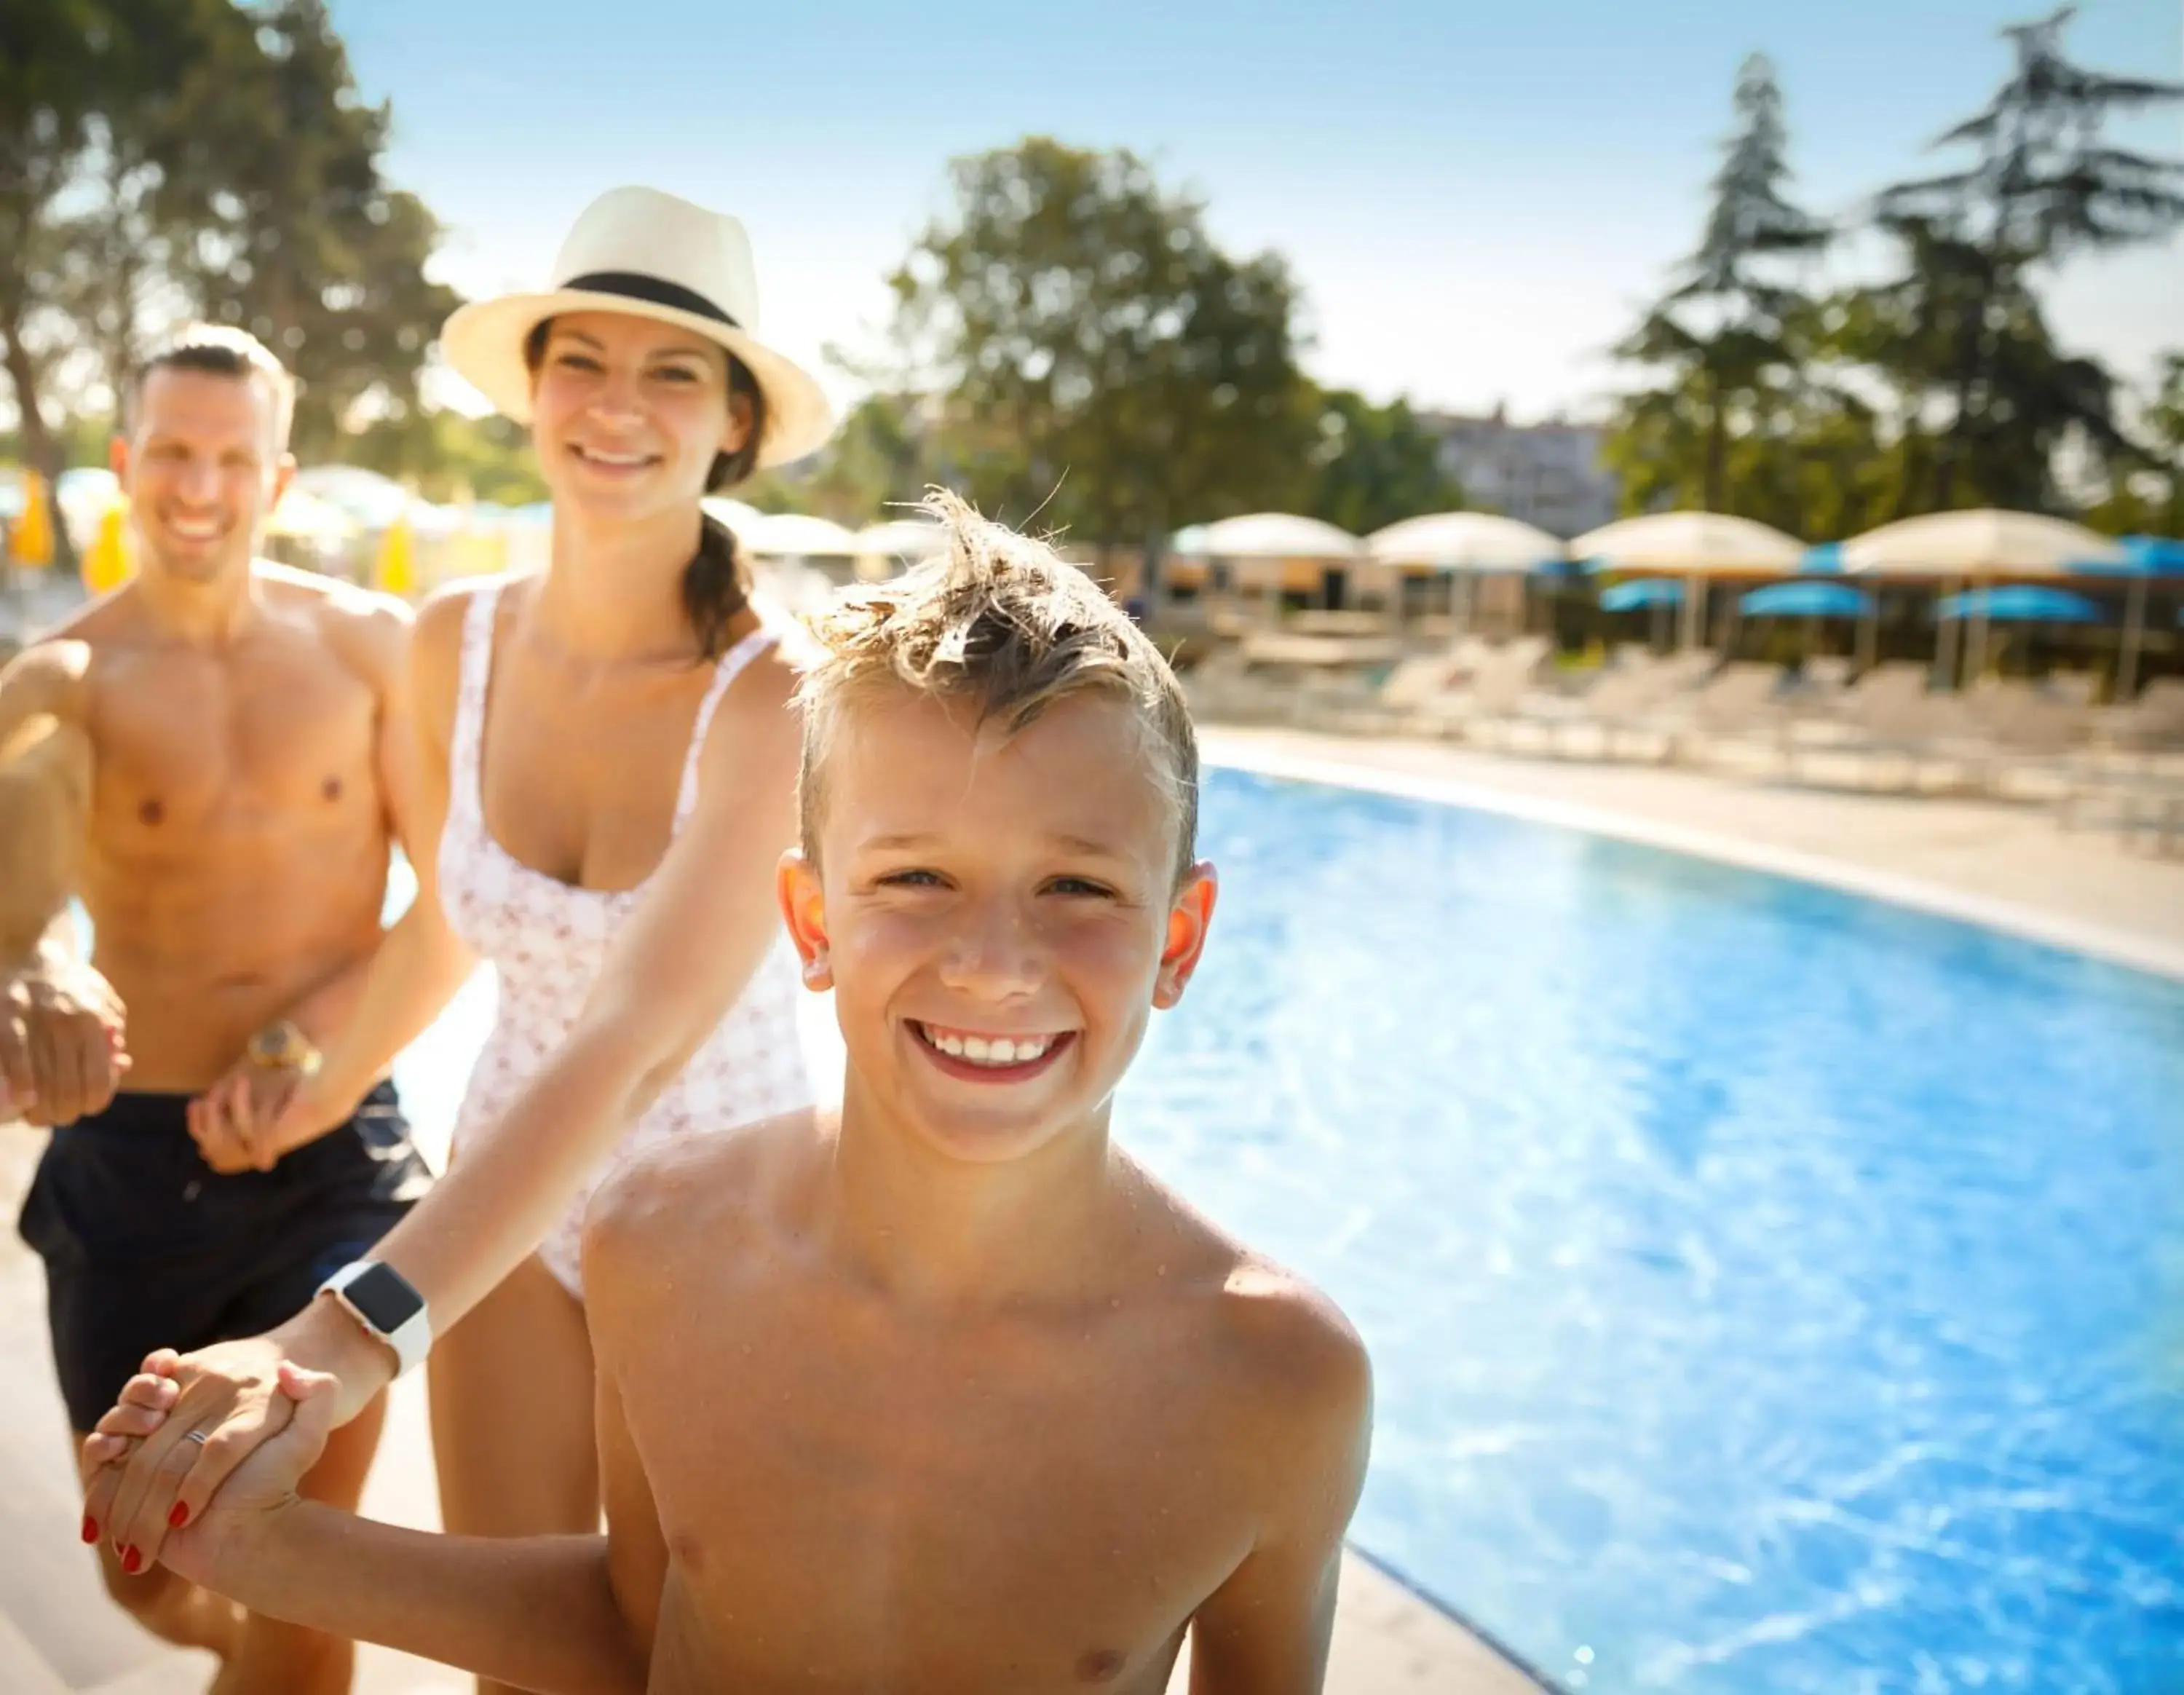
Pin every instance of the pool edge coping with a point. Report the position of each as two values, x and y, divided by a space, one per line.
1494 1644
2010 917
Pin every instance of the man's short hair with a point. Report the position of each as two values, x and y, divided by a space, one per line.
1002 622
222 351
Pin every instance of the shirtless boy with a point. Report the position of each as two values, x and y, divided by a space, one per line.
207 758
947 1395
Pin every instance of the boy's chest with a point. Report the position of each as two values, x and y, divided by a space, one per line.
906 1513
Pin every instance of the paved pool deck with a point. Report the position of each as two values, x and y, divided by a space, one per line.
2009 866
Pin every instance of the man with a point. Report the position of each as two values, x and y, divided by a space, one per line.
211 759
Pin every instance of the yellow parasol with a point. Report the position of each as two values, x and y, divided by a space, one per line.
107 563
30 543
397 571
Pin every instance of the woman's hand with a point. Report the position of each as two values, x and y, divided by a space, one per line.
181 1429
229 1543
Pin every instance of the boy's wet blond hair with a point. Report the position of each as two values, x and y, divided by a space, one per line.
998 620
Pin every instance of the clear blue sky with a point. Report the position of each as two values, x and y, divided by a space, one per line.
1476 198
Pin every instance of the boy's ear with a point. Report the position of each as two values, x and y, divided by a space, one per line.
1188 920
804 910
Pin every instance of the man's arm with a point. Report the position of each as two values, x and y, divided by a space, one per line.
1265 1631
374 1007
45 793
60 1021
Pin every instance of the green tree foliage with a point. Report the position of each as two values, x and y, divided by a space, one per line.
882 455
1097 360
2146 487
1375 465
162 159
311 250
1718 340
448 457
1996 397
1941 384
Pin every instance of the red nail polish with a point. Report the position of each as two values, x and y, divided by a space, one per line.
179 1517
90 1529
132 1561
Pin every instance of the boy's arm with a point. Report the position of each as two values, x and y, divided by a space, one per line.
537 1612
544 1613
637 1552
1265 1631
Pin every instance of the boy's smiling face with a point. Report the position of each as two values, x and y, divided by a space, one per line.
997 917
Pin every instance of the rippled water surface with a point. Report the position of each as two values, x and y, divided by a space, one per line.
1769 1289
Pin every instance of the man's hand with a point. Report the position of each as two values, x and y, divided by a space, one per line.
237 1122
221 1548
61 1042
230 1394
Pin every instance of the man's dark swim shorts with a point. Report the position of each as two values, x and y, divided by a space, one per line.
146 1246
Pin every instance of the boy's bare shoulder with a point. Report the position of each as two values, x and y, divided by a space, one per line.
1284 1347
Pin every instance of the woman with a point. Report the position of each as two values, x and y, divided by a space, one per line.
608 756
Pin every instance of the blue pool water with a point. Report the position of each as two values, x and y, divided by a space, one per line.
1769 1289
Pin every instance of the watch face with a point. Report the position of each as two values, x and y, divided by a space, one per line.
384 1297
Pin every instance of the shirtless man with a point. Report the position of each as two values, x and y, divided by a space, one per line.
209 758
949 1395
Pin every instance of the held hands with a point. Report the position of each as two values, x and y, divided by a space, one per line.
145 1476
256 1113
62 1053
218 1545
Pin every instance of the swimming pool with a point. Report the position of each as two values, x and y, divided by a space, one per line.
1769 1289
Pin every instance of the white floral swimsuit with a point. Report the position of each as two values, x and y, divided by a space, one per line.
548 940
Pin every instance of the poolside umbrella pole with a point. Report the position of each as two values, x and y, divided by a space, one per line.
1464 546
2134 629
1965 551
1655 594
2144 557
2017 603
1808 599
1694 546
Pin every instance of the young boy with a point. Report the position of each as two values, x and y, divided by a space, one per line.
949 1395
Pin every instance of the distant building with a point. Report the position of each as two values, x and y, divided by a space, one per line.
1548 474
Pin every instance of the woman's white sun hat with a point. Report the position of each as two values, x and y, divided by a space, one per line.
640 251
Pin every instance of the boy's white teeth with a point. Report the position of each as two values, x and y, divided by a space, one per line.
989 1051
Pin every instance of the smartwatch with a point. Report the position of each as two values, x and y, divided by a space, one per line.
381 1299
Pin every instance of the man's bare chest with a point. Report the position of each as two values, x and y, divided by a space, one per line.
186 744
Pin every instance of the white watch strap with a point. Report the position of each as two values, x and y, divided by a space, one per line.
411 1339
